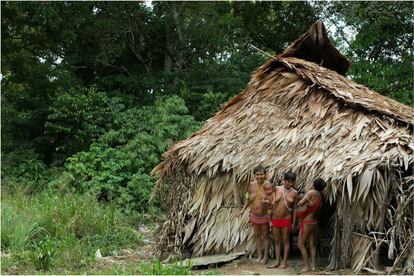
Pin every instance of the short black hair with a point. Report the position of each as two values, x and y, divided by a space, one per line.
319 184
290 176
259 168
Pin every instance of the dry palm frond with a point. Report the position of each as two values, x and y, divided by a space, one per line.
361 249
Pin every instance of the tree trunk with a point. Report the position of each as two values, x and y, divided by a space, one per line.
174 44
169 51
176 11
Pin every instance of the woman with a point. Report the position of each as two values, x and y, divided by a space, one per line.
308 221
258 215
285 198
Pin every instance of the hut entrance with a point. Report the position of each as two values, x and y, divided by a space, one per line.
325 228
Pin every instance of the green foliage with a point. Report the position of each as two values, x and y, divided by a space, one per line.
30 75
272 25
18 229
23 169
157 268
48 230
78 117
117 167
102 170
205 87
43 254
24 164
154 267
385 78
211 103
116 269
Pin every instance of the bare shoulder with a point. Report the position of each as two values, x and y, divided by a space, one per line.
313 193
252 185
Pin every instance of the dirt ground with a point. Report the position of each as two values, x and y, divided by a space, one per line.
244 266
241 266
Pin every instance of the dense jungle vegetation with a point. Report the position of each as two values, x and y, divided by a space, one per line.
94 92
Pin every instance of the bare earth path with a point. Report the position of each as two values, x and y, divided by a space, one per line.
246 266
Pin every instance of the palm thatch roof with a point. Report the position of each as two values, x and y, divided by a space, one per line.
294 115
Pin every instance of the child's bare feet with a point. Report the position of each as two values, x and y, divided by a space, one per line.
259 259
305 269
313 268
283 265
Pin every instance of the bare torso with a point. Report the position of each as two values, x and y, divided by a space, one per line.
284 199
256 198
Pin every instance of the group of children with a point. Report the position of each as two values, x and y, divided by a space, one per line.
282 208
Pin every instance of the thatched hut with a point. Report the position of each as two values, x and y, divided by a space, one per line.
298 113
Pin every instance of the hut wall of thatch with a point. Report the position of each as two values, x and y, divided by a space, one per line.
296 115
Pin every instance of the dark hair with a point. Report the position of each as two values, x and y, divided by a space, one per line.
259 168
290 176
319 184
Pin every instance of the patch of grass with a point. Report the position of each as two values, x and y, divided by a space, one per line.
7 263
157 268
18 228
59 232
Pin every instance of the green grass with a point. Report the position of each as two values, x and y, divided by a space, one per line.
157 268
52 232
154 267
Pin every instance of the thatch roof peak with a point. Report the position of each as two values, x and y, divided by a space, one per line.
315 46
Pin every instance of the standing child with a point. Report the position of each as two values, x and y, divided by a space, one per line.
258 215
